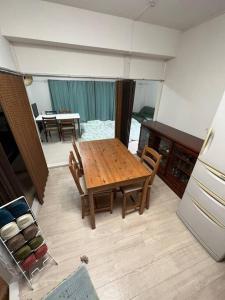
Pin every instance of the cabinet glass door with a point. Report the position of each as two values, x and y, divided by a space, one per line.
163 148
181 165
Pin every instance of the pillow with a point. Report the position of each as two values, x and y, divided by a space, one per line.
5 217
18 208
30 232
16 242
24 221
9 230
28 262
36 242
22 253
41 251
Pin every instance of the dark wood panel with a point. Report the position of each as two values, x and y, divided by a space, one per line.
16 107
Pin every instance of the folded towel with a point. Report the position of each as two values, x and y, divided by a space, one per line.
5 217
18 208
24 221
36 242
16 242
9 230
22 253
41 251
30 232
28 262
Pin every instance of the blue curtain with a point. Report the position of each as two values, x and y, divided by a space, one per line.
93 100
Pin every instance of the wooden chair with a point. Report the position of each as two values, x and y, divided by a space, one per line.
50 112
75 147
67 126
50 124
98 196
151 159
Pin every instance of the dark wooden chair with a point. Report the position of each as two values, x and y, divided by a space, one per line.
99 197
67 126
50 124
50 112
151 159
75 147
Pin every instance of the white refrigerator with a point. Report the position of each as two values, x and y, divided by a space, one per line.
202 208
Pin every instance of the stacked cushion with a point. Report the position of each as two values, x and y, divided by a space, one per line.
28 262
41 251
9 230
16 242
18 208
24 221
30 232
5 217
22 253
36 242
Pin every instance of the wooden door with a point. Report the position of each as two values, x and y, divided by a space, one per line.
16 107
125 90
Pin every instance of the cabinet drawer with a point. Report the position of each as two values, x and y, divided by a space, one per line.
206 200
210 178
204 225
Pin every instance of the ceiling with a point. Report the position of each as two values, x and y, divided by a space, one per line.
178 14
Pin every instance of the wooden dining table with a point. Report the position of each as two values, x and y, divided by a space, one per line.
108 164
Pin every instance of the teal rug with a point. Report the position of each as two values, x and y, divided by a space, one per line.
78 286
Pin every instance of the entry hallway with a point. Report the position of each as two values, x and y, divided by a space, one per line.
152 256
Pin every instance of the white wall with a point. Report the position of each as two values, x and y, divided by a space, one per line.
38 92
6 55
195 79
146 94
60 61
46 22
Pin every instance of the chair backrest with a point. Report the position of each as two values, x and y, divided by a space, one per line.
74 169
49 122
67 122
151 159
50 112
78 156
64 111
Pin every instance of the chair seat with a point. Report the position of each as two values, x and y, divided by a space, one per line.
131 188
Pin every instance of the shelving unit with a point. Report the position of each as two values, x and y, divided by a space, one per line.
40 264
179 152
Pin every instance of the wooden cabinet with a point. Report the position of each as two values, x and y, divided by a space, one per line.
179 152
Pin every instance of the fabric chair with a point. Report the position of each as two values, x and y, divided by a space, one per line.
50 124
75 147
67 126
151 159
50 112
80 183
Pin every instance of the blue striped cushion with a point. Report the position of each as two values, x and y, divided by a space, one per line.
5 217
18 208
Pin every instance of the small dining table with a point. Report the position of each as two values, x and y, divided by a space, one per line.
61 117
108 164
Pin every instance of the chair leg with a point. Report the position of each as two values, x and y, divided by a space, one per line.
111 202
46 135
148 198
124 206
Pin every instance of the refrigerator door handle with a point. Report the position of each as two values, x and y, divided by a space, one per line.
216 173
210 193
209 215
208 139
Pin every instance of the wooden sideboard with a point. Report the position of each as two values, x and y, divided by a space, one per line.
179 152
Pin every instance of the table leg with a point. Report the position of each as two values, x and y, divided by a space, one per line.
78 123
144 195
92 210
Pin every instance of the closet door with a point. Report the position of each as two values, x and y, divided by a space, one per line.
16 107
125 90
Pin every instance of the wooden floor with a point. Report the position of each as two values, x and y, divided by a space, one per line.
152 256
